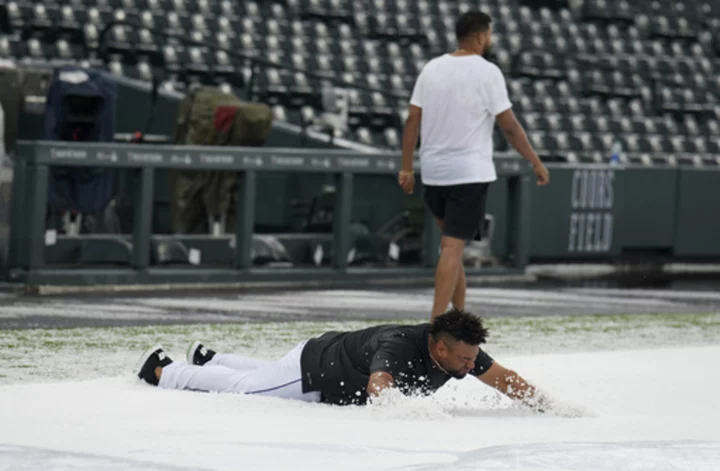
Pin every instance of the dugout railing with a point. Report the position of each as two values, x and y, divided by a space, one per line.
28 236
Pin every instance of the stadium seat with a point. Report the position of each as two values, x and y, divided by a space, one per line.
645 72
392 138
67 52
68 24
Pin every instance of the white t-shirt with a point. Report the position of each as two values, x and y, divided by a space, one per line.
460 97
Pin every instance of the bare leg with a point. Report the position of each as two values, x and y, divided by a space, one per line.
458 298
447 273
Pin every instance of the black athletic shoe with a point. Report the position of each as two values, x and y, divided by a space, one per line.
197 354
153 358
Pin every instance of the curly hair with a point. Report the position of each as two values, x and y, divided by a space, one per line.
461 326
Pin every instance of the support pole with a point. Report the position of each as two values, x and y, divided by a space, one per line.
245 218
38 196
143 219
342 215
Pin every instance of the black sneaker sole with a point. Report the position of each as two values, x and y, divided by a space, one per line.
147 364
146 356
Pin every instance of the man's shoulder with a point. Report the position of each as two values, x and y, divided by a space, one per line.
410 335
494 72
487 66
412 329
431 65
476 62
401 345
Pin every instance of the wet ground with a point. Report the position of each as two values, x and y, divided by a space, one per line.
546 296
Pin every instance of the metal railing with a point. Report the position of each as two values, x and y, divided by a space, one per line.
29 242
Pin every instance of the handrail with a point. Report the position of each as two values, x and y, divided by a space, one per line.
27 237
253 60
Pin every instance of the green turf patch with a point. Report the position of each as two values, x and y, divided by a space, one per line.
50 354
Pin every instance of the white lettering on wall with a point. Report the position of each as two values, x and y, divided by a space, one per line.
591 221
592 189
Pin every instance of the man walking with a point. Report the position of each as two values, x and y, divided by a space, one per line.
345 368
454 105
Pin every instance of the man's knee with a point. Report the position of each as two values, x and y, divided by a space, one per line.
452 245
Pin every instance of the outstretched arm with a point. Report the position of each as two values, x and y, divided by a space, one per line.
512 385
378 382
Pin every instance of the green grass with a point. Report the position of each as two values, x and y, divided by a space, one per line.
37 355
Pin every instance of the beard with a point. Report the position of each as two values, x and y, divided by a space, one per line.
488 53
457 374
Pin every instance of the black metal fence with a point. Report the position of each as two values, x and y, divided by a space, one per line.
28 237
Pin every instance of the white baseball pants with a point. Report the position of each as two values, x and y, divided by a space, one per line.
235 374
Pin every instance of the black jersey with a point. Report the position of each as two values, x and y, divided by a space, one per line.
339 364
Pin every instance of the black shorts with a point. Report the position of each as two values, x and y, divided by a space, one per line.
460 207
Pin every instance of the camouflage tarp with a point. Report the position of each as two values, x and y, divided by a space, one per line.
210 117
